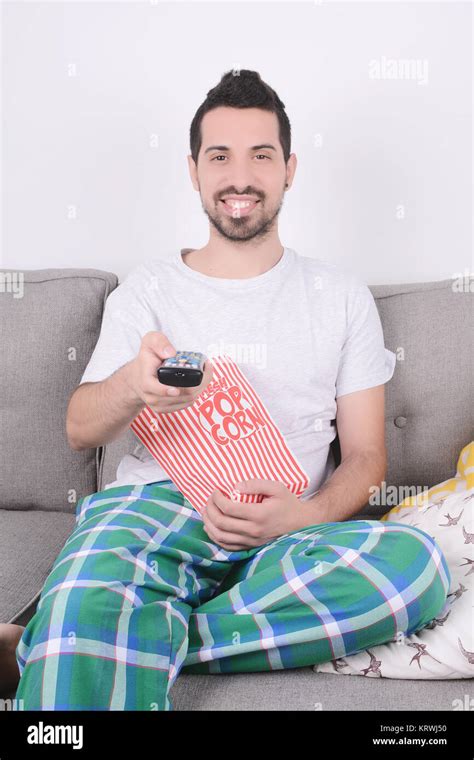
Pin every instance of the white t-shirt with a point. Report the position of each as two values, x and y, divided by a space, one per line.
303 333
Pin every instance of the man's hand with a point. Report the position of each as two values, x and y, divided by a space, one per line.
235 526
143 378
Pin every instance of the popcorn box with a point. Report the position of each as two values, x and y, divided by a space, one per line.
226 436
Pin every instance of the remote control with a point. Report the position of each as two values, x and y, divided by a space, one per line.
184 370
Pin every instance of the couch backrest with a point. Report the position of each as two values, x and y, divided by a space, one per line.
429 414
50 322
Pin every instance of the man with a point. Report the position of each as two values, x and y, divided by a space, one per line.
145 587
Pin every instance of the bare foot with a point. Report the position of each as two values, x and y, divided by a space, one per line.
10 635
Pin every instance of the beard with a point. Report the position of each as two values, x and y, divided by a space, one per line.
244 228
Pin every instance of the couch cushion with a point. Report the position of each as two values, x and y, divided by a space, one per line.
30 541
48 335
429 414
301 689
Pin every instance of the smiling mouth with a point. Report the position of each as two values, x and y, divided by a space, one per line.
238 209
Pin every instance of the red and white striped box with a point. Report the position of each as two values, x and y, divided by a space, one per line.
226 436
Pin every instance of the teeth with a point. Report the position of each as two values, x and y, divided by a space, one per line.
239 204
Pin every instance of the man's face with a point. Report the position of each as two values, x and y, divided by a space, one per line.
234 164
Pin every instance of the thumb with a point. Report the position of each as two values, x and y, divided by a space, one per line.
260 486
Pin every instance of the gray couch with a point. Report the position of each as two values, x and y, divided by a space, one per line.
48 336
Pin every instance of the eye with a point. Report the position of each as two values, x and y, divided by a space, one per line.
258 154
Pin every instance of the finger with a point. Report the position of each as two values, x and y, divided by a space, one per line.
236 509
208 374
215 538
158 344
260 486
220 534
245 527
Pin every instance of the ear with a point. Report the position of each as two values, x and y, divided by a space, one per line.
193 172
290 169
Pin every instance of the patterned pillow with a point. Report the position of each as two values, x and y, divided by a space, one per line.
445 647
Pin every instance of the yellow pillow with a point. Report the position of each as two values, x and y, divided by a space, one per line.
463 480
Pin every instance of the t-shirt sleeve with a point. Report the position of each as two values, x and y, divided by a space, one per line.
364 361
126 319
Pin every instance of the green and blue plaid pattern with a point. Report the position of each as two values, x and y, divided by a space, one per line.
139 594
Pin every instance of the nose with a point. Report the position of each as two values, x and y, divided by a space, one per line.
241 180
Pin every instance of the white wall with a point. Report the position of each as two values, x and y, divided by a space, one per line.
86 86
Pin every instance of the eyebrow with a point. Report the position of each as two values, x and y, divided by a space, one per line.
226 148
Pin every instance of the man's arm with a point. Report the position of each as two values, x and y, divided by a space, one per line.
100 412
361 428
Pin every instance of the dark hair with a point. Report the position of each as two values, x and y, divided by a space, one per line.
242 89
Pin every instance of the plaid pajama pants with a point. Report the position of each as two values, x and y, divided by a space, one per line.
139 593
